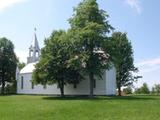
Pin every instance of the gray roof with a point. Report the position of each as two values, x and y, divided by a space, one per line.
28 68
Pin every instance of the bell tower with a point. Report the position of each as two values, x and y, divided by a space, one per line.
34 50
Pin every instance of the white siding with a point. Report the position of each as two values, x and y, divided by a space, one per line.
111 82
103 87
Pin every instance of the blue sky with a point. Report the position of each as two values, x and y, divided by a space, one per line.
139 18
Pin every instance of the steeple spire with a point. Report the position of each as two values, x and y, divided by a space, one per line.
34 50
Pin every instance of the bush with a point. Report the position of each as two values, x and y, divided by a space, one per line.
10 88
143 90
127 90
156 89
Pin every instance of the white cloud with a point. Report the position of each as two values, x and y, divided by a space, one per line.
8 3
147 66
134 4
150 70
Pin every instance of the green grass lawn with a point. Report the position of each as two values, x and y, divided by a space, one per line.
25 107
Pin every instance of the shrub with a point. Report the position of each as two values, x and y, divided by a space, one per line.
143 90
127 90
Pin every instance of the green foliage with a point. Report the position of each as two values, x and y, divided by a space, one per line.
11 88
8 62
156 89
68 55
128 90
153 91
88 12
143 90
20 65
91 25
58 62
121 54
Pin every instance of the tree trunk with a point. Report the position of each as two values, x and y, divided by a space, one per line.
91 78
3 83
119 91
3 86
62 88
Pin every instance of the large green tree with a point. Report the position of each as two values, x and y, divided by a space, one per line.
7 63
58 62
91 26
121 54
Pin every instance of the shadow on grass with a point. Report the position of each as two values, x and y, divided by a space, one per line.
7 95
98 98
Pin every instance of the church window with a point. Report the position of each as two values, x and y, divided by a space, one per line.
44 86
94 83
21 82
31 53
32 85
37 54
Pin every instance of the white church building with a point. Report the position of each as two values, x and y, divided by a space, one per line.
107 86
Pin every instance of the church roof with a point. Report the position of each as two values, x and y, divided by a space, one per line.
28 68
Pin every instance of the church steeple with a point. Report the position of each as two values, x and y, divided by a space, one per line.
34 50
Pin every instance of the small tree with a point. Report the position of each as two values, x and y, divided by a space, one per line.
121 54
137 91
143 90
153 90
157 89
8 63
127 90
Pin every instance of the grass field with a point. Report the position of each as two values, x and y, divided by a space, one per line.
24 107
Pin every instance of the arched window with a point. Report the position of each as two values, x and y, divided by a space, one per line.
37 54
44 86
